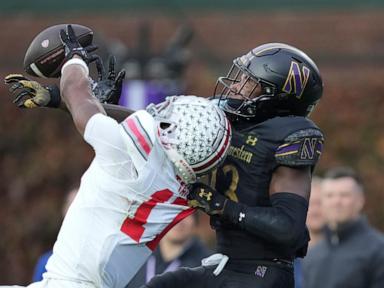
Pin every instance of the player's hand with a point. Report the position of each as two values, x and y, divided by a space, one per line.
31 94
206 198
109 86
73 47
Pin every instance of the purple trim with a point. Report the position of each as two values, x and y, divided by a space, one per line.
298 80
319 146
288 148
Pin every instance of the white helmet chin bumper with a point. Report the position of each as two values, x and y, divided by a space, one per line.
183 169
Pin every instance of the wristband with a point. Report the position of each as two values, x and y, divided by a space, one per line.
54 92
75 61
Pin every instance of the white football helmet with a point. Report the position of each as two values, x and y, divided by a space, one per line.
195 133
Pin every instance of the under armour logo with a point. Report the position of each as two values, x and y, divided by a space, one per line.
251 140
241 216
205 195
260 271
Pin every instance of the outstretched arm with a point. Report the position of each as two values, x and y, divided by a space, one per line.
283 222
75 85
31 94
75 89
107 89
77 94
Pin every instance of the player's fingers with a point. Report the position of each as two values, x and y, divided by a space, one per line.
111 69
12 78
20 104
15 86
193 203
91 48
63 37
19 86
93 58
120 77
21 95
33 85
99 66
29 103
71 34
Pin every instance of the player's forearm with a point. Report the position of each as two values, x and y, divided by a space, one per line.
283 222
76 92
119 113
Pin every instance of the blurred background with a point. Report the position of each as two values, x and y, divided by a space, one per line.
173 47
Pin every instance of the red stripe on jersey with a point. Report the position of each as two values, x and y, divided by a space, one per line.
180 201
153 244
140 137
134 227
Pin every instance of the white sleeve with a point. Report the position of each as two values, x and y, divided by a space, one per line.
103 134
138 132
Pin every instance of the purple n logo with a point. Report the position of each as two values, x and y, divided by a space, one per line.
308 150
296 79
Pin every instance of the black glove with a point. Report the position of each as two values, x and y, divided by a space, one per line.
108 87
206 198
73 47
31 94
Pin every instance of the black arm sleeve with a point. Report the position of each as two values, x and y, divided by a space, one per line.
283 222
119 113
182 277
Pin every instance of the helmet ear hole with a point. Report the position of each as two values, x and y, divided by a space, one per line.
164 125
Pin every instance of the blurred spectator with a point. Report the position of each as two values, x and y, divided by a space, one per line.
179 248
352 252
315 219
42 261
150 77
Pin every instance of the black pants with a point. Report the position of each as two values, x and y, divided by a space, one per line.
256 274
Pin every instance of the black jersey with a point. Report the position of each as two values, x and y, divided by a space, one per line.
256 151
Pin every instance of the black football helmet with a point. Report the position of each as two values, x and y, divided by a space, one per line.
287 82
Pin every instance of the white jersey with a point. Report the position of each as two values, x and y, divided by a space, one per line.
128 199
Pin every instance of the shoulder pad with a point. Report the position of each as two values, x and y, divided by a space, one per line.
277 129
301 148
139 135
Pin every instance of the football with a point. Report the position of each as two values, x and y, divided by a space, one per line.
45 54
